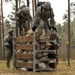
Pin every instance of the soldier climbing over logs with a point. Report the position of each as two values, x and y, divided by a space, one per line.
43 15
40 21
23 18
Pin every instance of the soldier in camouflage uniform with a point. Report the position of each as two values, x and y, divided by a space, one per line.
23 17
8 47
40 21
55 40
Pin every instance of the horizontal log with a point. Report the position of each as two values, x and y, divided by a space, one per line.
24 38
46 51
24 56
24 46
28 47
24 64
46 59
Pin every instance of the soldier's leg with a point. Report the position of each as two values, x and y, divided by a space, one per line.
40 27
46 28
20 29
56 57
26 27
40 31
8 56
47 32
8 62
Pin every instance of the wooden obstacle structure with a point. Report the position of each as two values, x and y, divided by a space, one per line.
29 52
26 52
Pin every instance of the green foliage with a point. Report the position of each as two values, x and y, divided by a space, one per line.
7 24
73 42
11 16
72 31
72 24
65 16
59 28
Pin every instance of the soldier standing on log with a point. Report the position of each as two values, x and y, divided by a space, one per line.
23 17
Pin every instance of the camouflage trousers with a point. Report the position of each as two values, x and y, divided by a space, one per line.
43 25
24 27
8 55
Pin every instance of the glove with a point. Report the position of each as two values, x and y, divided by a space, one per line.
49 28
34 28
54 28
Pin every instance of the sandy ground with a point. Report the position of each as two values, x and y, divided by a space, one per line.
62 69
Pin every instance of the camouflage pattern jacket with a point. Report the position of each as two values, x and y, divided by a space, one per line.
8 41
43 12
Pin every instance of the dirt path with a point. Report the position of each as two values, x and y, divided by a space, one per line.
62 69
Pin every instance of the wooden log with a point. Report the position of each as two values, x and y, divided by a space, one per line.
24 39
24 56
24 65
24 46
27 47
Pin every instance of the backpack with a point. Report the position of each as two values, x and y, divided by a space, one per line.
40 3
52 15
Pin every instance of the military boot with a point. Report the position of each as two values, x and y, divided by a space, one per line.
8 65
48 44
37 36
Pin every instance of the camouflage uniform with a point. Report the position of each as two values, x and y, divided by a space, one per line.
23 16
8 47
55 40
40 20
42 14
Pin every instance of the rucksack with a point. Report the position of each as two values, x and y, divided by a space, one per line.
52 15
40 3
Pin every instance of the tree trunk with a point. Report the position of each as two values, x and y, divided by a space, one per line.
3 51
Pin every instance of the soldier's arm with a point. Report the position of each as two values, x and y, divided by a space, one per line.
35 23
59 40
6 41
18 13
36 18
29 17
52 20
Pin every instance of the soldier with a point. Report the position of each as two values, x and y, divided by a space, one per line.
23 17
8 43
40 21
55 40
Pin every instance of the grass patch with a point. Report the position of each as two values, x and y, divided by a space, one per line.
62 69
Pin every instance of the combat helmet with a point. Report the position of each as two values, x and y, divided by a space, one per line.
47 5
10 30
